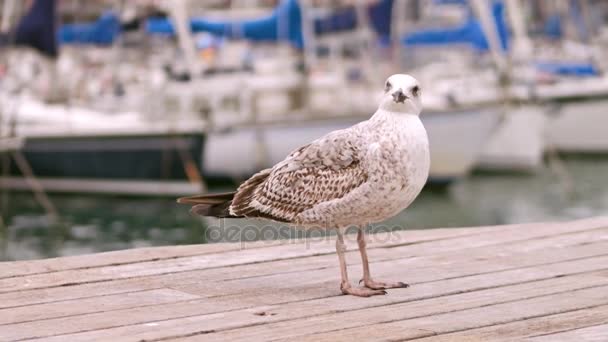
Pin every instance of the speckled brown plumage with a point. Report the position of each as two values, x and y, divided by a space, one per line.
324 170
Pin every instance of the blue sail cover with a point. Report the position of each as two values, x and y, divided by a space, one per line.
450 2
101 32
37 28
286 16
379 16
553 27
470 33
568 69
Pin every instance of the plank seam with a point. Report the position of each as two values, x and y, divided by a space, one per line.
568 330
512 321
342 311
415 317
422 282
219 296
283 259
101 311
387 259
201 254
486 231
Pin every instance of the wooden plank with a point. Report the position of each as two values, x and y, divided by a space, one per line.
192 281
405 330
413 270
93 304
598 333
114 258
472 257
29 267
194 325
13 269
223 293
248 298
193 317
397 312
282 252
168 258
543 328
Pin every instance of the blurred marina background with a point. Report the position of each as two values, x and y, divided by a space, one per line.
109 110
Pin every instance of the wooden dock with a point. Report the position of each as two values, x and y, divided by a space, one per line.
533 282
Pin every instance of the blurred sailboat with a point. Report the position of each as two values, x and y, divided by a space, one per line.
73 148
350 84
563 71
475 73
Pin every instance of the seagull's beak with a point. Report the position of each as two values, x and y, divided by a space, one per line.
399 96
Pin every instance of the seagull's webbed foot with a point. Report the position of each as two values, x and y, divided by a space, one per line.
379 285
347 289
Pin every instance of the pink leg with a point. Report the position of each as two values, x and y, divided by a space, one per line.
345 286
367 278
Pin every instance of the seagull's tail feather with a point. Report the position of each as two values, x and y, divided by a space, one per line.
216 205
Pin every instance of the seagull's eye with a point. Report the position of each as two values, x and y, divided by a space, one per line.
416 90
387 87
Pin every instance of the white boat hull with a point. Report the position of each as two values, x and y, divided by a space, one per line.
579 126
456 141
518 144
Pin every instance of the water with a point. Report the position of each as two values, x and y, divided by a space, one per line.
101 223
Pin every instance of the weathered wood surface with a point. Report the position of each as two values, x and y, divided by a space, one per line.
533 282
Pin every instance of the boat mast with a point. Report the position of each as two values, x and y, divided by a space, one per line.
522 45
8 9
178 10
490 31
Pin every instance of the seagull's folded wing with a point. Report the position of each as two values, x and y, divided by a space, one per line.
324 170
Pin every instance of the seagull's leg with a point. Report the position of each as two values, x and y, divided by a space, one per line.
367 278
345 286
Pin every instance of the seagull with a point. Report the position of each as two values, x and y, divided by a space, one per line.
351 177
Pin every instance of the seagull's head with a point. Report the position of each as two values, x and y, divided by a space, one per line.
401 94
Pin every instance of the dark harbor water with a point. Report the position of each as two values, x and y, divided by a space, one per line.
102 223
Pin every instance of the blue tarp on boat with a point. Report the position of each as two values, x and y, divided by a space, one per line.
284 24
102 32
346 19
568 68
470 32
263 29
450 2
553 27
